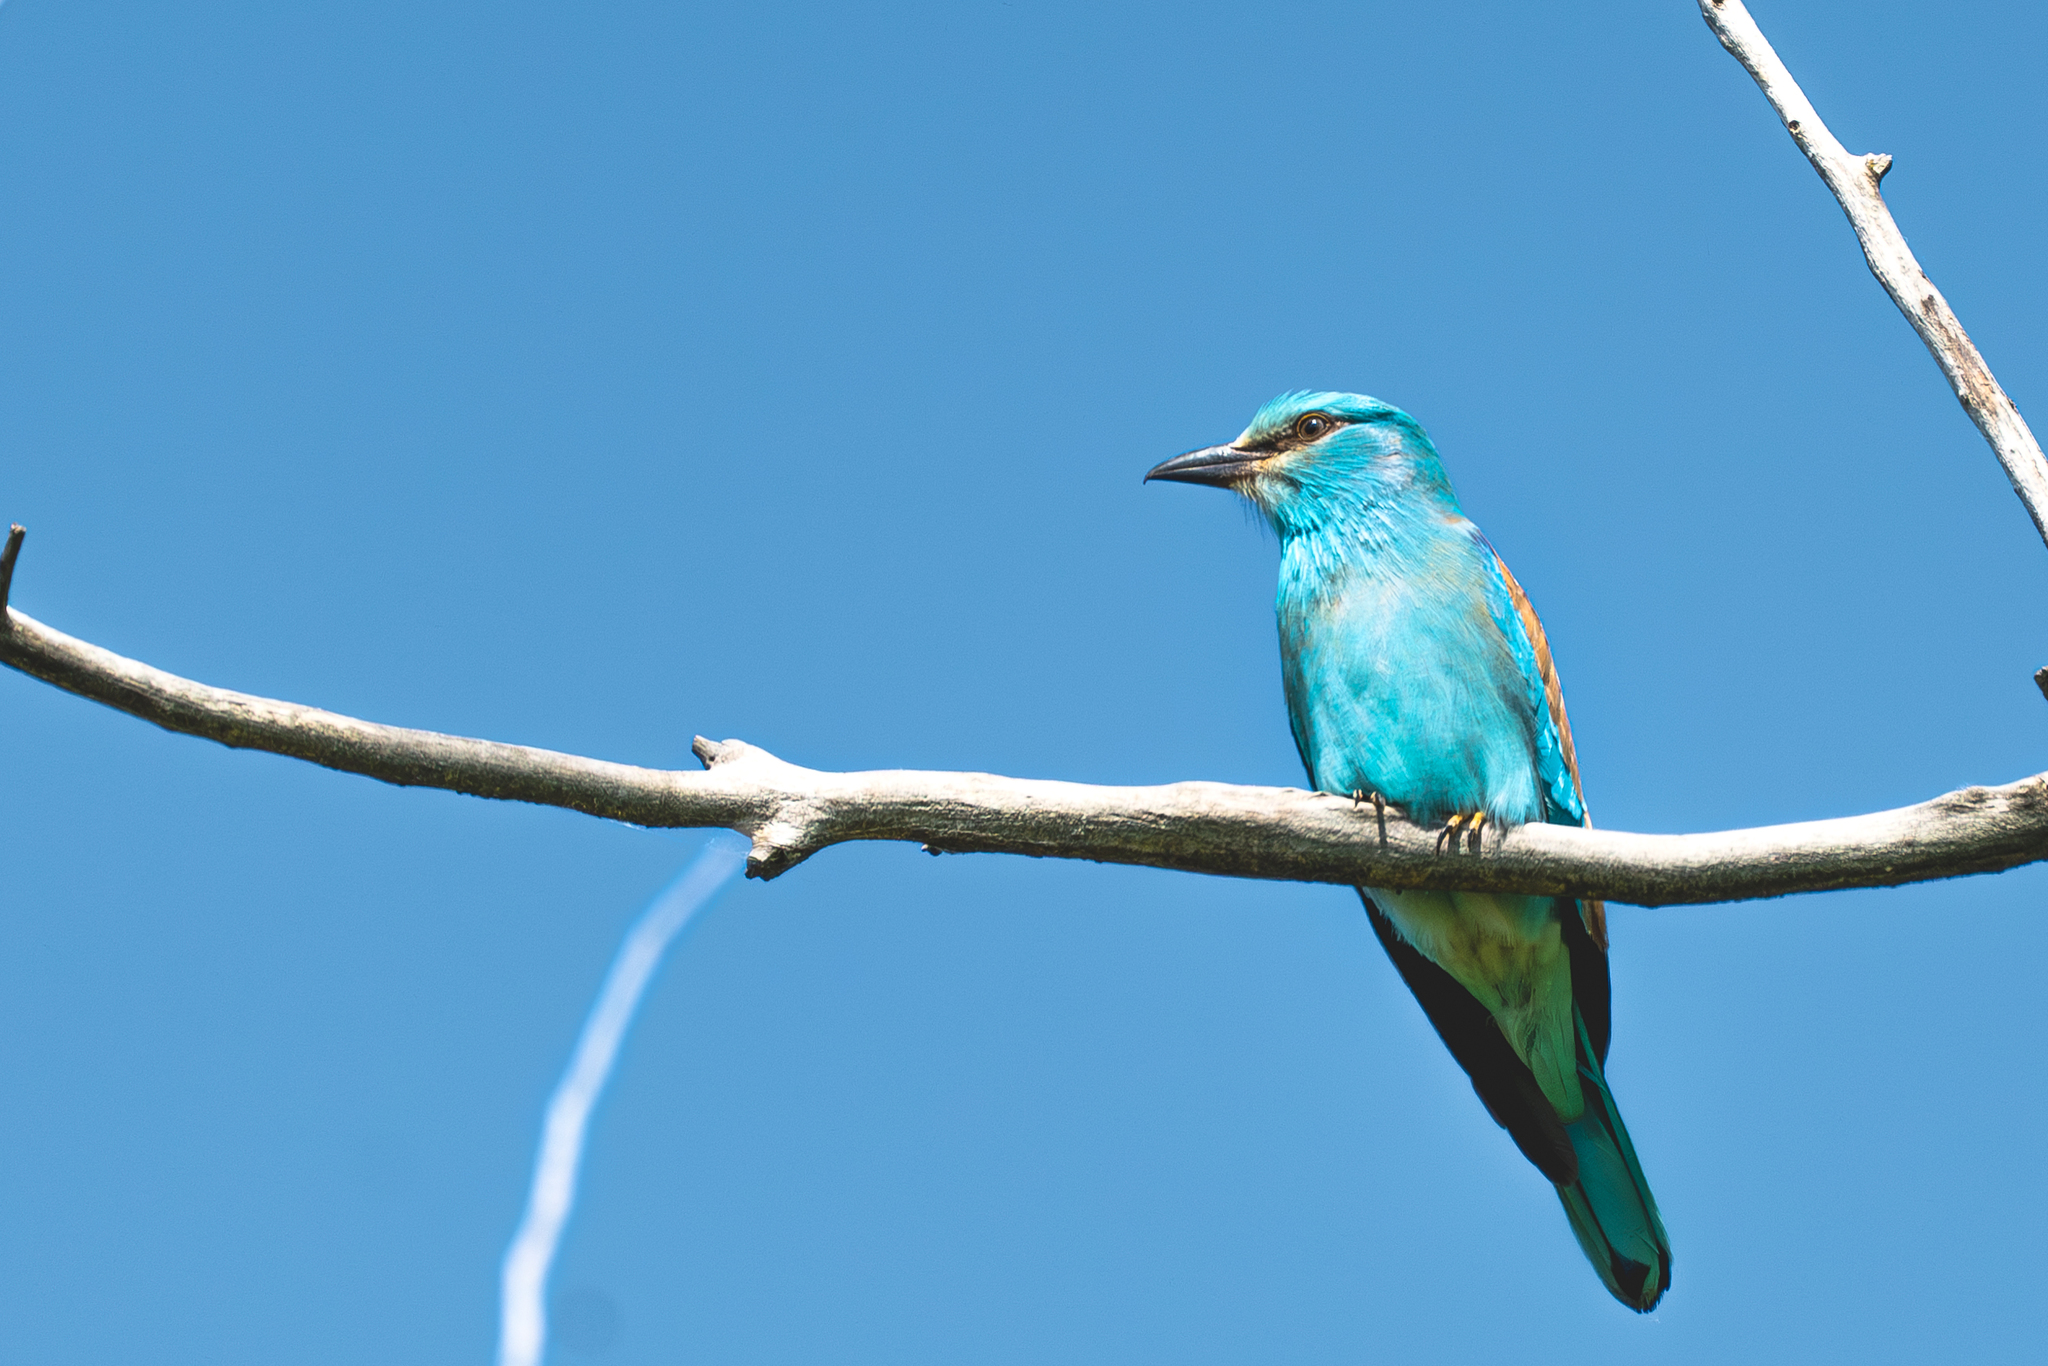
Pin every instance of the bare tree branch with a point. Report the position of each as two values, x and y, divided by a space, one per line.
790 813
1854 183
1265 832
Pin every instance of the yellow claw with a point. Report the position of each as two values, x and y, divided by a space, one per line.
1453 829
1462 828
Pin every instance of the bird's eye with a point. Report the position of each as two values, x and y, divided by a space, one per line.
1311 426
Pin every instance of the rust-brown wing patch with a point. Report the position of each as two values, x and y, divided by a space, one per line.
1594 913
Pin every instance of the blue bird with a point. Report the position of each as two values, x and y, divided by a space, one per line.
1417 674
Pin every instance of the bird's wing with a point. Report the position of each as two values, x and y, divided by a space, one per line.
1557 759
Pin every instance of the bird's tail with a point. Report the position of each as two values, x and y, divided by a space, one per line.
1610 1206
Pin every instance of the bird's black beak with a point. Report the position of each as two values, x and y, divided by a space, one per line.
1222 466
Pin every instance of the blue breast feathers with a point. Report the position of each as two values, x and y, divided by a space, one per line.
1408 673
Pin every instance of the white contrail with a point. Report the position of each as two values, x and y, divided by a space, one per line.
523 1284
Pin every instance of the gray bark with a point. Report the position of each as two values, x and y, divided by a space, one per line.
1265 832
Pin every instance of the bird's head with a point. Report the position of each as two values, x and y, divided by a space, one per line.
1309 459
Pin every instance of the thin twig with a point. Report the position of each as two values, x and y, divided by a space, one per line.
1854 182
7 559
1264 832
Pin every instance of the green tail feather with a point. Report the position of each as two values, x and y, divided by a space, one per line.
1610 1205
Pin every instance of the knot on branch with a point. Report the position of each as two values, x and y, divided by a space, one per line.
712 753
790 826
1875 165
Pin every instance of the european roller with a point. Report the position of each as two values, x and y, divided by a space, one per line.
1417 674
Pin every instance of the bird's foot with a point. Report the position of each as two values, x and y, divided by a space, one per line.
1359 797
1463 827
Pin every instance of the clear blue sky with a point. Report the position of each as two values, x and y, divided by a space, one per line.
594 376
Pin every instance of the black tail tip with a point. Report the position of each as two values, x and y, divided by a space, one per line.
1632 1281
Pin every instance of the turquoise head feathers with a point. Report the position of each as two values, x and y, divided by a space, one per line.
1313 461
